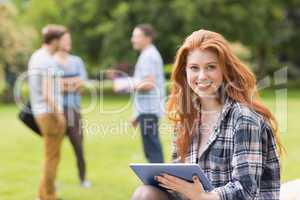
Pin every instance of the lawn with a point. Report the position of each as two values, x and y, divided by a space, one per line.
110 145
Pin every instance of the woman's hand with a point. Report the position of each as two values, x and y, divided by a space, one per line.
193 191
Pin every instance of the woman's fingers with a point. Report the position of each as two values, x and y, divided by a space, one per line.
198 183
170 191
174 179
163 180
166 183
168 187
179 185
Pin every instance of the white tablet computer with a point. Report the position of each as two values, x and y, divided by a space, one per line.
147 171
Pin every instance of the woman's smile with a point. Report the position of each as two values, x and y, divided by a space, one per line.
204 85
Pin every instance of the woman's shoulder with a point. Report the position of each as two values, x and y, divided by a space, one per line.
241 113
75 58
247 124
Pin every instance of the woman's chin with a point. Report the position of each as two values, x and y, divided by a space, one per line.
206 94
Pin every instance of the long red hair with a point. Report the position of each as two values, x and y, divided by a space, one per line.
239 80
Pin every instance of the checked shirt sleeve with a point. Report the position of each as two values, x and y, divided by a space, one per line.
250 145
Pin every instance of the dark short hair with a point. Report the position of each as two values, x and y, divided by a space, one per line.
147 29
52 32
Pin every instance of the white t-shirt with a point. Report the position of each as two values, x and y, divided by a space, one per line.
42 65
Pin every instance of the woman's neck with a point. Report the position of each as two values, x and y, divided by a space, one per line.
62 54
61 57
210 104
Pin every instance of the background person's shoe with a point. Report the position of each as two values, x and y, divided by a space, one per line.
85 184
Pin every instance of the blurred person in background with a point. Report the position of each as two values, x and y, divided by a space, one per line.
47 105
71 83
149 92
147 84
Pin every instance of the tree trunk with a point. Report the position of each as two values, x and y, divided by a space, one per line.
10 79
261 61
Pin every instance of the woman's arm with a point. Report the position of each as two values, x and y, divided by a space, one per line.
75 83
71 84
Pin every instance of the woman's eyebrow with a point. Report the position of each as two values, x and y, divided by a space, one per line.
192 63
211 62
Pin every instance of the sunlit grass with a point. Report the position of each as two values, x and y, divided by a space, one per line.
110 145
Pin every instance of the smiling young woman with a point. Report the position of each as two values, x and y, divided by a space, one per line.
220 124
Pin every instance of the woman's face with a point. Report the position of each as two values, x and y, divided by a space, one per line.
204 74
66 42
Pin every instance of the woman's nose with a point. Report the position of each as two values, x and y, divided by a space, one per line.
201 74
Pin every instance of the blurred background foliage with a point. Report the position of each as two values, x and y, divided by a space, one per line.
265 34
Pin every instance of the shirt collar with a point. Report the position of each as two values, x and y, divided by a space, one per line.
226 107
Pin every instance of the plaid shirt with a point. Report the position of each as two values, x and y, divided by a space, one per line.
240 158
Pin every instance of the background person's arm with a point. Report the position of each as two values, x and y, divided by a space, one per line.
82 74
146 84
74 84
47 91
130 84
147 72
71 84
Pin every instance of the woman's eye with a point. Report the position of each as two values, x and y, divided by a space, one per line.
211 67
194 68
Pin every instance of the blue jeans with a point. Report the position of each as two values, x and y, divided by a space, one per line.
150 136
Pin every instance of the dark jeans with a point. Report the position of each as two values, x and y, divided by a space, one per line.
150 137
75 134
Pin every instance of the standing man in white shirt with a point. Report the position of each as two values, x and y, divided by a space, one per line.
47 105
149 91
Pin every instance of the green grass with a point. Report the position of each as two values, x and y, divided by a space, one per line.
108 150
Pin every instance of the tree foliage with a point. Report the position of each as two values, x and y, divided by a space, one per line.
15 46
101 29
